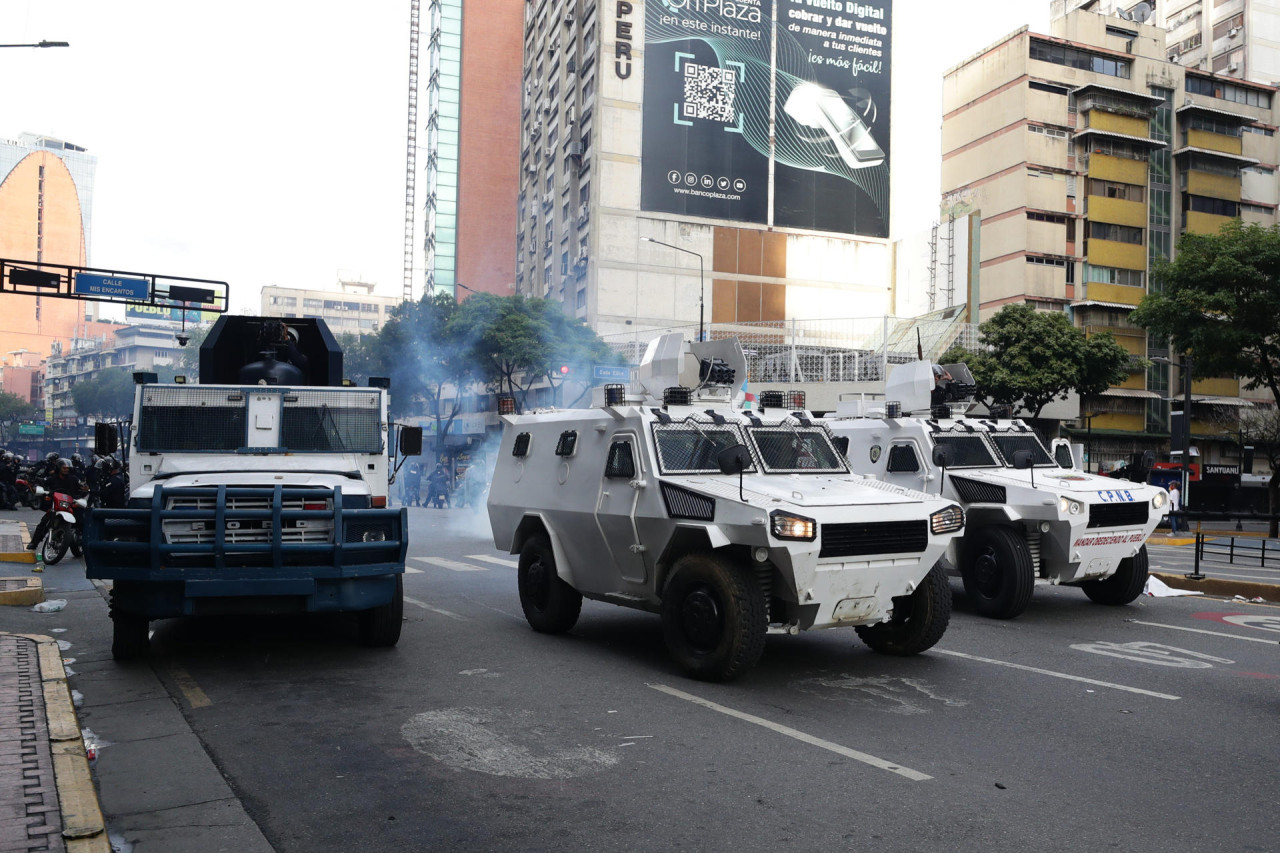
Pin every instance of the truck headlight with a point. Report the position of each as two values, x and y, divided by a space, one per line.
947 520
1160 499
1069 506
375 536
787 526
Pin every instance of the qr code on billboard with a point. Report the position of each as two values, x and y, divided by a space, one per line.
709 92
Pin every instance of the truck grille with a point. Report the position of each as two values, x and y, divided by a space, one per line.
974 492
685 504
884 537
1118 515
240 531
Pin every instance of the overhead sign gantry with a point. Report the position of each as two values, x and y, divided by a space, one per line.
93 284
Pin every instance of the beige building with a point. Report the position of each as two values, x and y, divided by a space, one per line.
353 307
1087 153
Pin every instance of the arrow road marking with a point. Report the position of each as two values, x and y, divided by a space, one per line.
1050 672
1202 631
907 772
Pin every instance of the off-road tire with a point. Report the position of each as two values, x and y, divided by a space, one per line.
380 626
550 605
77 543
1123 586
998 573
56 541
713 617
129 633
919 620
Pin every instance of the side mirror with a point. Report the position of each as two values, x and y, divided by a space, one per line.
104 439
1021 459
943 456
1148 459
411 441
734 460
1062 455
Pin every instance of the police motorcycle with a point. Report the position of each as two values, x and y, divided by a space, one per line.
63 531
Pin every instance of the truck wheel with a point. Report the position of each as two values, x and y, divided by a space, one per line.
713 617
129 633
1122 587
919 619
998 574
550 604
56 542
380 626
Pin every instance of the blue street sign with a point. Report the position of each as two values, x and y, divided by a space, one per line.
610 372
120 287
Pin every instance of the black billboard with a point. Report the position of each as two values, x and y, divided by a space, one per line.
711 90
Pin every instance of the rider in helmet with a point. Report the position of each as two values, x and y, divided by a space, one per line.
63 480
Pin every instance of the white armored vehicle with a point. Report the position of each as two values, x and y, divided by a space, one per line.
1028 516
732 524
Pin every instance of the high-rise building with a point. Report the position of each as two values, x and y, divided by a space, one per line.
46 206
1233 38
1087 153
353 307
688 162
473 97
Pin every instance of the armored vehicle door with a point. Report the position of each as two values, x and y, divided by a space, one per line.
905 463
620 489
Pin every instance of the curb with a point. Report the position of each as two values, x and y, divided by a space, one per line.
21 591
83 830
1219 586
23 556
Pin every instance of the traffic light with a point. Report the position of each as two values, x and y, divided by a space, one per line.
564 370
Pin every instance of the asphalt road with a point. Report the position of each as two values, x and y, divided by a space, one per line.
1075 727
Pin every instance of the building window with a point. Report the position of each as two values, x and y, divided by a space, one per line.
1112 189
312 304
1228 92
1214 206
1072 57
1117 233
1037 216
1113 275
1046 262
1047 131
1212 125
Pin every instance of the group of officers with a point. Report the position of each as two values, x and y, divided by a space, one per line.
104 478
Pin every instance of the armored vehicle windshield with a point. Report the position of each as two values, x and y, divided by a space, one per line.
796 450
1009 443
689 447
969 449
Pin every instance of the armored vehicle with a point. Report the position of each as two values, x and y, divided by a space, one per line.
263 489
1029 515
678 499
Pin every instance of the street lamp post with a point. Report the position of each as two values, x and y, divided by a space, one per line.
1185 438
701 280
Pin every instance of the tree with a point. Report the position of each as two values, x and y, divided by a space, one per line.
1219 300
1030 358
108 394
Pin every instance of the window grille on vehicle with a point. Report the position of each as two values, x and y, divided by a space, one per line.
1118 514
685 504
974 492
331 421
620 463
185 418
859 539
688 449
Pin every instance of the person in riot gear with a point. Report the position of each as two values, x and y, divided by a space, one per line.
8 480
63 480
281 340
115 487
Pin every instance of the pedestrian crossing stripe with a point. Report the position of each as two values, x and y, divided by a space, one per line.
451 565
489 558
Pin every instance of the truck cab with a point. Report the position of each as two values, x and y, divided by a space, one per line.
262 489
1032 514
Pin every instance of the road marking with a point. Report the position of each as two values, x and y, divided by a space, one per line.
1203 631
1152 653
1050 672
426 606
196 697
880 763
410 570
451 565
497 560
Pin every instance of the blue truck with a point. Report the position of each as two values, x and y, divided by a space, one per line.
263 489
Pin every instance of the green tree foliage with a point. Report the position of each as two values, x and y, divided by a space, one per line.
1030 358
1220 301
108 394
13 408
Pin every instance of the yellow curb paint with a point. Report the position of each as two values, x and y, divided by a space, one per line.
51 667
61 712
77 799
196 697
31 593
95 844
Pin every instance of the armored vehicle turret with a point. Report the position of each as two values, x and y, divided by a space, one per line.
674 496
1031 515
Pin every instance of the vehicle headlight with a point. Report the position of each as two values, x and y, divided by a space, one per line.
1070 507
1160 499
787 526
947 520
375 536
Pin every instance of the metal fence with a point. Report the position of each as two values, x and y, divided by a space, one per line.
849 350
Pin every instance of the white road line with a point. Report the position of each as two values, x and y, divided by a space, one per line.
451 565
426 606
1203 631
1057 674
410 570
913 775
491 559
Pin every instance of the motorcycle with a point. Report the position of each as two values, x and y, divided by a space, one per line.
26 493
64 532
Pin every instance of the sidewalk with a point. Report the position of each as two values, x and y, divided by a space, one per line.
157 790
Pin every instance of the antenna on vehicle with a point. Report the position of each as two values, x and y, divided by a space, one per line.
919 345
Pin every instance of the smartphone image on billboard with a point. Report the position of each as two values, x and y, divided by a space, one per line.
816 106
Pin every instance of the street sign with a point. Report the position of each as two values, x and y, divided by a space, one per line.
610 372
99 284
30 429
33 278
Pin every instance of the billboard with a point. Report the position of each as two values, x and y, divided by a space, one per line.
166 314
720 75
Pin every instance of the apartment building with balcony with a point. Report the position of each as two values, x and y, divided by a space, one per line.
1087 154
353 307
130 348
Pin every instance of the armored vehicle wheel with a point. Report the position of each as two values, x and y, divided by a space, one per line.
919 619
380 626
56 542
713 617
998 574
1125 585
129 633
550 604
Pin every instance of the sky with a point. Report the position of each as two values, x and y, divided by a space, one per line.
264 142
